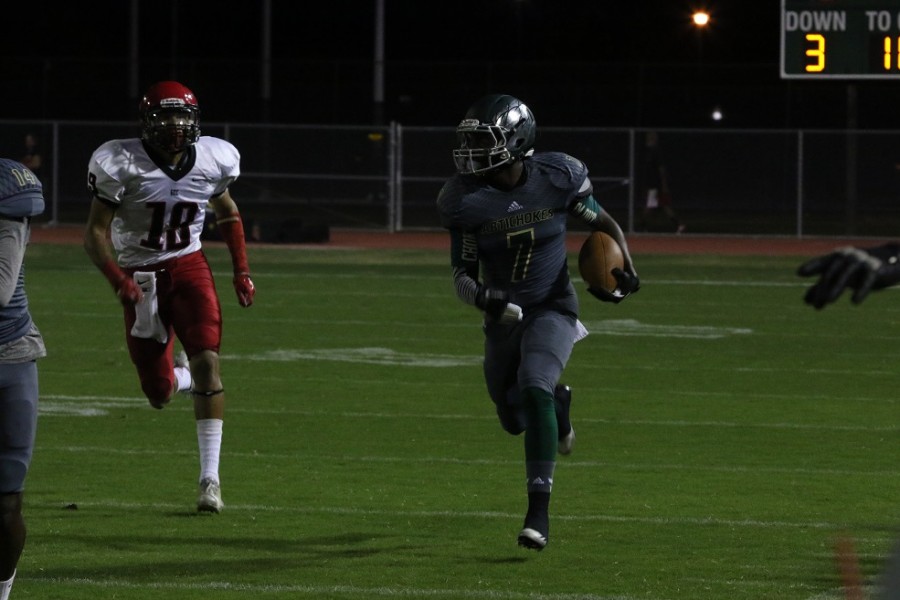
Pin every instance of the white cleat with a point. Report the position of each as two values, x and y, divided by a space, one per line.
209 497
532 539
564 446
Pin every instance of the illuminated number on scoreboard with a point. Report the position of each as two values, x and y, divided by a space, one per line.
888 62
816 52
840 39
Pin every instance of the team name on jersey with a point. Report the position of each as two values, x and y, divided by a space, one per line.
469 248
517 221
580 209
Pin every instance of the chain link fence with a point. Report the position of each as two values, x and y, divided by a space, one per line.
741 182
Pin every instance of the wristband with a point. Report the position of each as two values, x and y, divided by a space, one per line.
113 273
232 230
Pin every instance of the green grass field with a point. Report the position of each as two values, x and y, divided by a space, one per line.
728 435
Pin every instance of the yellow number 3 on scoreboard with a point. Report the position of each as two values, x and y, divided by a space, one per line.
816 51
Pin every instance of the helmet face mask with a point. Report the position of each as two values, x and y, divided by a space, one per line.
497 130
170 117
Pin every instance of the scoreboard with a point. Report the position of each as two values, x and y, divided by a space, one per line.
840 39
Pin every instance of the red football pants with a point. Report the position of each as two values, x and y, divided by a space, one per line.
189 308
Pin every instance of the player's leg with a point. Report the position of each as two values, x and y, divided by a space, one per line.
197 320
651 203
153 362
562 401
665 204
18 423
209 413
501 365
12 542
546 347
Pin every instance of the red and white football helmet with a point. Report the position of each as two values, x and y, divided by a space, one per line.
170 117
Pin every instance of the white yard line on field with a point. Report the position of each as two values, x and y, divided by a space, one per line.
436 460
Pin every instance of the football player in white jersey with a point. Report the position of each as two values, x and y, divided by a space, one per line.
149 197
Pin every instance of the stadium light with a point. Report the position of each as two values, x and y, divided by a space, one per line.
700 18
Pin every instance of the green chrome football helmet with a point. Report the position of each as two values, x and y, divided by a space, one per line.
496 131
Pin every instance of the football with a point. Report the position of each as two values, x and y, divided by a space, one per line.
599 255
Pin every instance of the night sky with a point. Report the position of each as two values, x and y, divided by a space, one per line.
69 60
602 30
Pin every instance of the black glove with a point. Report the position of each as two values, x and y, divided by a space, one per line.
496 305
492 302
861 270
626 284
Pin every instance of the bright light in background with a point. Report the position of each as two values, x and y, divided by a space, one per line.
700 18
717 114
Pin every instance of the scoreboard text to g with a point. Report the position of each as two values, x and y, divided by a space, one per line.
849 39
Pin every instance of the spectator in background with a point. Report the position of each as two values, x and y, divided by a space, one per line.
655 185
32 157
21 344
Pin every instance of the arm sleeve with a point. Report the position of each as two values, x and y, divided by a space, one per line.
464 260
587 209
13 238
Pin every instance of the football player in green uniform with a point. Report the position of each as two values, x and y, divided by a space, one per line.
506 211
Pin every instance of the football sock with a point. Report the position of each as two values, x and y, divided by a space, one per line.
539 476
209 440
6 587
183 379
538 515
541 432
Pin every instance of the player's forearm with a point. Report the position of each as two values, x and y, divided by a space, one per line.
101 254
97 248
12 253
466 287
232 229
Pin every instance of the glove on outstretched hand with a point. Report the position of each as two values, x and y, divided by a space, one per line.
626 284
496 306
861 270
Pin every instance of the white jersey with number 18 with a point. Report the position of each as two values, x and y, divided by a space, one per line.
160 209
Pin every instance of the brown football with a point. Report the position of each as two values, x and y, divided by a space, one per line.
599 255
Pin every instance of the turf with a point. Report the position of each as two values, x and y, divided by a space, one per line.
728 436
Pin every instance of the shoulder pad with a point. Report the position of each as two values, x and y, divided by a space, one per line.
21 192
450 199
223 152
566 172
